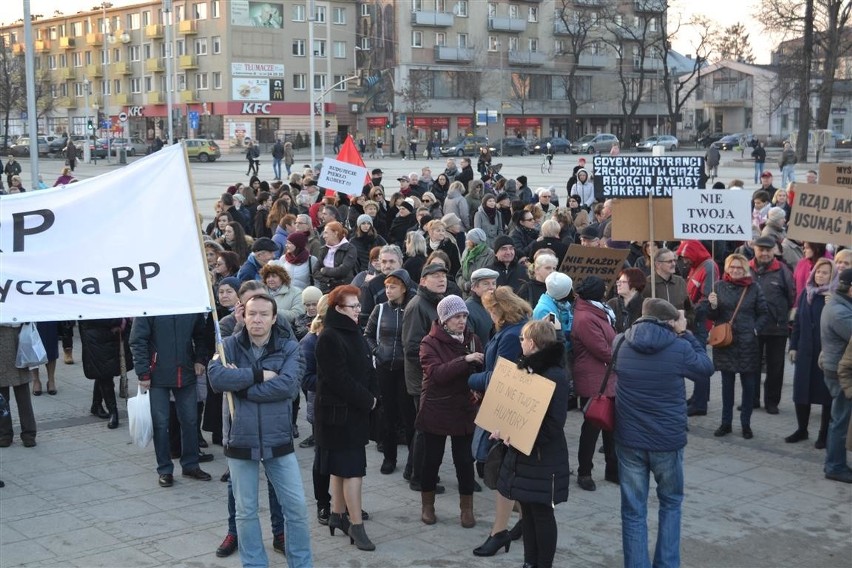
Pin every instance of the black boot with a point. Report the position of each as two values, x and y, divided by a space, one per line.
108 392
97 402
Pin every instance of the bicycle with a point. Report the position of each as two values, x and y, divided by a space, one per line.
546 163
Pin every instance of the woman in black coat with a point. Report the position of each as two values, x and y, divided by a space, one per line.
742 355
345 397
337 261
805 346
102 341
539 481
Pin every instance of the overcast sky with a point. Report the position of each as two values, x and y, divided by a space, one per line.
725 13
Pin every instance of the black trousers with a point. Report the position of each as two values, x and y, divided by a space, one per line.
588 442
415 456
321 483
433 455
539 534
771 348
398 410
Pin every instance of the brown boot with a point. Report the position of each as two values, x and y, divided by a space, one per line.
69 356
466 505
427 515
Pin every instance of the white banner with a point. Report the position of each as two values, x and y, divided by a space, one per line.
122 244
712 214
257 70
342 176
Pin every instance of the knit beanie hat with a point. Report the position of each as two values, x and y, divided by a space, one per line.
231 281
476 236
502 241
311 295
558 285
450 306
591 289
364 219
299 240
659 309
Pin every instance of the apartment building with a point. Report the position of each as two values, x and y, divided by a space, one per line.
241 68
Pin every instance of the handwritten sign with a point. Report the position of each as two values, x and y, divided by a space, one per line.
342 176
821 214
630 177
515 403
835 174
717 214
581 262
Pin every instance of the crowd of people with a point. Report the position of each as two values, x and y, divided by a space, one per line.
420 285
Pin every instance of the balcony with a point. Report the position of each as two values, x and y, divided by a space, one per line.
67 42
590 61
648 65
527 58
187 27
588 3
187 97
42 46
735 95
155 65
154 31
94 39
649 6
188 62
156 98
18 49
453 54
94 70
506 25
65 74
121 68
432 19
120 99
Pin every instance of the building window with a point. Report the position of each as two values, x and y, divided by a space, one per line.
201 46
77 29
105 56
181 82
416 5
51 62
340 49
319 48
180 47
493 43
461 9
492 10
148 50
217 44
116 54
416 38
299 47
136 85
339 16
298 12
514 11
441 39
134 21
63 60
462 40
365 9
533 16
105 88
559 46
440 5
319 82
340 82
149 84
533 44
116 86
201 82
214 9
217 79
652 25
146 18
79 90
199 11
299 82
320 15
88 58
513 44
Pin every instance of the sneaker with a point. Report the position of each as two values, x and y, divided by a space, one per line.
322 514
278 542
307 442
228 546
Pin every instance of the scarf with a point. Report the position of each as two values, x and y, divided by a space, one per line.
301 256
470 258
745 282
328 261
605 309
457 336
491 212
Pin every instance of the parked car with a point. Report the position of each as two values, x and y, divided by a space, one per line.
465 146
202 150
727 142
594 143
135 146
57 145
21 148
845 143
98 148
669 142
512 147
708 139
557 145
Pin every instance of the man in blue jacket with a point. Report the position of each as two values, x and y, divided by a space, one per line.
655 355
262 373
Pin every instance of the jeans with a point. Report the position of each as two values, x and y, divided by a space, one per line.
433 453
773 348
634 469
276 167
283 473
398 410
788 174
835 444
187 410
758 169
275 518
540 534
747 380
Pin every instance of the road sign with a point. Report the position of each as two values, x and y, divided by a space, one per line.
193 119
122 116
104 124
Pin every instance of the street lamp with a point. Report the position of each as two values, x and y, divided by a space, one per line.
87 152
109 39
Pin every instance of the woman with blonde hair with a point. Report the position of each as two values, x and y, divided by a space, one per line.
439 239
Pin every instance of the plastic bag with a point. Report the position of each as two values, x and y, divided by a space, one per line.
31 352
139 419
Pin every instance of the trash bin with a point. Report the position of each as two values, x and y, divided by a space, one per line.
122 155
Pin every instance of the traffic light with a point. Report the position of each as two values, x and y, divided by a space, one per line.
90 125
387 123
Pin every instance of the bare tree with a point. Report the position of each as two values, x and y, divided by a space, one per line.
13 88
732 44
467 85
679 87
519 96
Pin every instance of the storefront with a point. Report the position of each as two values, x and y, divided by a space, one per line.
528 127
265 122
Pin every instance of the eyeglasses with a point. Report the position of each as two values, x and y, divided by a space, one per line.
351 306
427 201
669 261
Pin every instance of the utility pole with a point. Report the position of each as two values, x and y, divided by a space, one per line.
32 122
311 15
167 11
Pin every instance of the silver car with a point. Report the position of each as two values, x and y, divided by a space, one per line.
134 146
594 144
669 142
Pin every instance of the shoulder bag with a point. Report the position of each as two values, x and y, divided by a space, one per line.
722 334
600 410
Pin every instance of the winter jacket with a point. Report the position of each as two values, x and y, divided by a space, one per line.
844 376
672 290
703 271
506 343
523 239
446 407
101 348
743 355
289 302
307 347
835 330
626 314
261 426
513 275
343 271
456 203
250 270
584 190
363 245
448 245
345 392
564 316
808 380
492 230
279 237
478 319
417 320
776 283
301 275
399 229
383 333
650 397
484 260
166 348
465 176
531 291
543 476
592 336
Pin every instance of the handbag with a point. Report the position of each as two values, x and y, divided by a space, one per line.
600 410
722 334
491 471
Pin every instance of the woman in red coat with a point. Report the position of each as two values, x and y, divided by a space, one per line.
592 336
448 354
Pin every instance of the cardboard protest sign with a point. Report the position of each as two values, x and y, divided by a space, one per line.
716 214
604 263
821 214
515 403
630 220
341 176
631 177
835 174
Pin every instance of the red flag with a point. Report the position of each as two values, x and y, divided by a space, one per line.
349 153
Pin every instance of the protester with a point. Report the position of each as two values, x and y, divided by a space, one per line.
102 342
18 380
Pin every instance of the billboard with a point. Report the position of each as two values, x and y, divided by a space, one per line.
257 14
249 89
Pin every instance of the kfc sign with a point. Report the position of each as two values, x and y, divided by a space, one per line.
256 108
135 111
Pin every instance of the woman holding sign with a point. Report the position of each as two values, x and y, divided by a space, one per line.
540 481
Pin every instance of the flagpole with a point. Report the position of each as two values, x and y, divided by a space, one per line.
220 348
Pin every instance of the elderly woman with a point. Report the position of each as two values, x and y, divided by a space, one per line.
431 202
415 254
544 264
592 337
212 249
456 203
540 480
448 355
555 306
287 297
743 354
805 346
477 254
345 397
509 312
489 219
627 304
17 380
438 239
338 259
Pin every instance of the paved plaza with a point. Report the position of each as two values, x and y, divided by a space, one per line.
86 497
